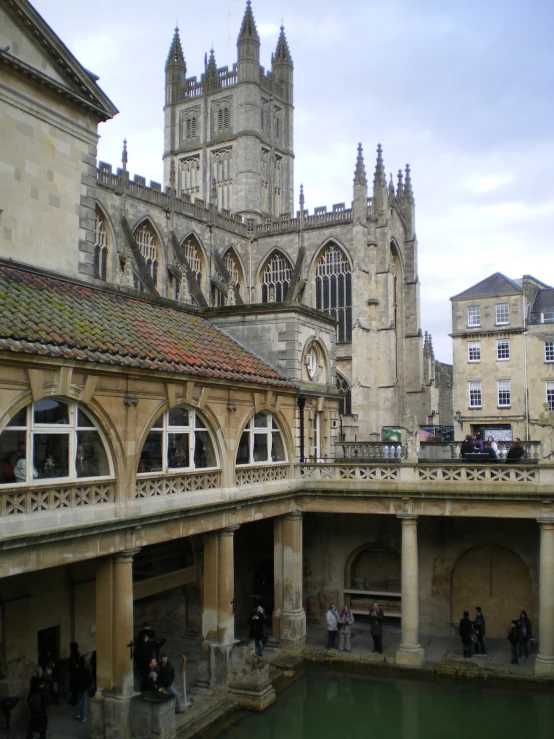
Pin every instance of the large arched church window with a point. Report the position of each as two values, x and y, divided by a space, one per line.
333 289
100 247
179 440
345 396
147 241
193 253
52 439
235 273
276 277
261 441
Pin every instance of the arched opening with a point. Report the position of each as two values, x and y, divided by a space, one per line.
497 580
373 573
148 243
232 263
333 289
275 278
396 274
261 442
195 258
345 396
100 246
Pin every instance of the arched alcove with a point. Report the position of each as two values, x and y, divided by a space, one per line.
497 580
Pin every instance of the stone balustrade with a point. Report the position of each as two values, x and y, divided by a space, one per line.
16 499
152 486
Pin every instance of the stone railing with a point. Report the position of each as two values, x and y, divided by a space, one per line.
436 450
360 450
348 472
54 497
152 486
477 473
257 473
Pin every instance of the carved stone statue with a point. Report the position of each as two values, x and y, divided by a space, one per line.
409 424
546 422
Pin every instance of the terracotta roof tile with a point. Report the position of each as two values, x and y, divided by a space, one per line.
43 314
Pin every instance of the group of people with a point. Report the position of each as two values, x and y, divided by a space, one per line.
341 622
475 445
14 467
155 672
472 634
44 688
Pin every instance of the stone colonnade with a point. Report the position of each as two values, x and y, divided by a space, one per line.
114 617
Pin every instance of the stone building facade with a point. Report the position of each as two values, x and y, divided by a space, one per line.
503 356
173 365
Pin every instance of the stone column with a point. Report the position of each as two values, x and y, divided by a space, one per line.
293 616
277 577
123 623
410 651
209 610
544 664
226 586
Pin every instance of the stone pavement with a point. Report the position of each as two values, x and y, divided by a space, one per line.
438 649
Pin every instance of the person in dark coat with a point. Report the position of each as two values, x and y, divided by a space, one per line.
376 617
143 654
81 681
479 631
513 638
38 703
257 621
467 446
515 452
166 676
466 630
477 443
525 633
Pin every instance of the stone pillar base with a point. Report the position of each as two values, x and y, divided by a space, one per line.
213 669
293 629
152 716
109 715
410 656
544 666
249 682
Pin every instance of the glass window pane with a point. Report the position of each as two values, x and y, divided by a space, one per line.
204 452
178 450
178 417
51 412
12 445
92 460
243 452
159 422
260 420
20 418
51 455
260 448
84 420
278 448
151 455
198 422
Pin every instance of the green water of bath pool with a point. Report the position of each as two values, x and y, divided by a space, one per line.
326 703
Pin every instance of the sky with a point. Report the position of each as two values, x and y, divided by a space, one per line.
460 89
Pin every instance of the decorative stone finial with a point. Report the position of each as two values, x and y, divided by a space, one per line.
409 193
359 173
380 178
124 156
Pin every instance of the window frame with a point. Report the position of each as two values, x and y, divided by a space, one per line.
550 394
503 395
501 306
471 312
252 430
476 389
507 350
476 347
72 429
165 429
333 288
549 350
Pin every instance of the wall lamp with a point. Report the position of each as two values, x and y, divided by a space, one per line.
458 417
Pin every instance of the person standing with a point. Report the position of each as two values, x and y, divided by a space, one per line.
492 443
376 617
257 621
38 703
466 630
166 676
143 655
332 626
513 638
81 681
477 442
515 452
525 633
467 446
479 631
345 621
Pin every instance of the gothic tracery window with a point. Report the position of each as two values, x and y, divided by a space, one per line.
100 247
345 400
275 278
235 272
333 285
194 257
147 242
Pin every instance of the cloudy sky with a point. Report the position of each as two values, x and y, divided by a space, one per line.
460 89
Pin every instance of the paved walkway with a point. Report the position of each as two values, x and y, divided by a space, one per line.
62 724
